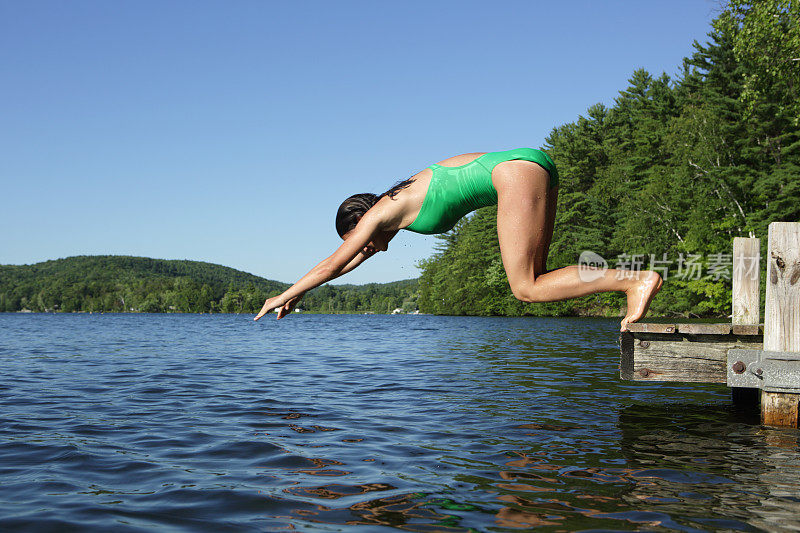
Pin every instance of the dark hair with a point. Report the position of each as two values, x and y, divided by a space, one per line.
352 209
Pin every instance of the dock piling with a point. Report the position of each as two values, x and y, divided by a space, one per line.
745 303
782 315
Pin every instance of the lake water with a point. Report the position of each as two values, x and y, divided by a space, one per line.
368 423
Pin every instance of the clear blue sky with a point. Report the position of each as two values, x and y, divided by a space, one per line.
229 132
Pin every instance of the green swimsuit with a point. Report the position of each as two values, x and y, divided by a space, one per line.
455 191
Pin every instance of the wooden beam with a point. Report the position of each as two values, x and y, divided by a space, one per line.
639 327
705 329
680 356
697 328
748 329
782 315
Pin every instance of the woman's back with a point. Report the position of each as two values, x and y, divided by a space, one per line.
457 189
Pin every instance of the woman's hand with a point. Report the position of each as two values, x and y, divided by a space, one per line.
270 304
289 306
364 240
280 301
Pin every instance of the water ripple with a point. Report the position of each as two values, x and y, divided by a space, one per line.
369 423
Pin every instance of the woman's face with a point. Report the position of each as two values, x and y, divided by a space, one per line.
379 242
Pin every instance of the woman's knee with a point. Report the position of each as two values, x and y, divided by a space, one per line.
528 291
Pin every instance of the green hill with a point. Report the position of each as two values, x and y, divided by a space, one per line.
142 284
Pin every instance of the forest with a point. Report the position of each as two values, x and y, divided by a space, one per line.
140 284
663 179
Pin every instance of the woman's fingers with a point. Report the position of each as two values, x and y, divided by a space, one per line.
284 308
269 305
288 307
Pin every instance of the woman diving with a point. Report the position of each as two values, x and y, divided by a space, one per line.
522 182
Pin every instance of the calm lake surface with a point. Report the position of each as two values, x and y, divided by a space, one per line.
137 422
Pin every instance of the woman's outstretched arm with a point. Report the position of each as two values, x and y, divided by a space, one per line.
348 256
289 306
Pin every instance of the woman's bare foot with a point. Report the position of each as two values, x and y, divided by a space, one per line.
640 295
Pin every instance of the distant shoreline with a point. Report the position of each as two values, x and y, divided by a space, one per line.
128 284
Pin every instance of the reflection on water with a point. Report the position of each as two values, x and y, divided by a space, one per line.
142 422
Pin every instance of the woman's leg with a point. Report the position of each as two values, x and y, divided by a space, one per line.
550 221
523 199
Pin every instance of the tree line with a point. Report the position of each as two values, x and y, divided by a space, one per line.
665 177
141 284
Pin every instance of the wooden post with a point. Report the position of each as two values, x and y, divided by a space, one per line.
745 301
782 315
746 274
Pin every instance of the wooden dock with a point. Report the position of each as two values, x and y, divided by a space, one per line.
758 361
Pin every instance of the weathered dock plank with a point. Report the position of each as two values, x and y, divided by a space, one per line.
640 327
705 329
683 355
748 329
697 328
